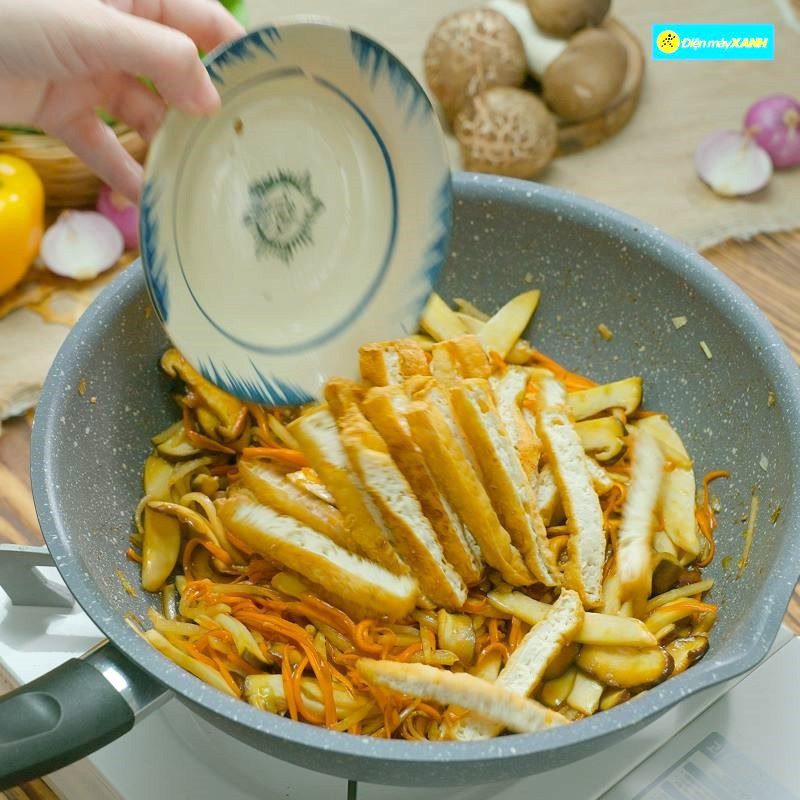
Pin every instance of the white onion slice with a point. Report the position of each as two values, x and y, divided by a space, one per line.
81 245
732 164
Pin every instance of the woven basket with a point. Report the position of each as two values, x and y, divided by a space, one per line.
68 182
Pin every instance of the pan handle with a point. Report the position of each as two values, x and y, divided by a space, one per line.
72 711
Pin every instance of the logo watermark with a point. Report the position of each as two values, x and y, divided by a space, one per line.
717 42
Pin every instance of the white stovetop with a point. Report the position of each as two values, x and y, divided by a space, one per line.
173 754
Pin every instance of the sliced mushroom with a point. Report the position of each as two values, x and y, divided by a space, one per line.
687 651
625 667
471 51
506 131
587 76
565 17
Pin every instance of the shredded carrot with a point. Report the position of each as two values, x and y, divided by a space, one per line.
362 638
495 647
706 519
405 655
476 605
239 544
285 454
133 555
571 380
223 670
494 630
289 687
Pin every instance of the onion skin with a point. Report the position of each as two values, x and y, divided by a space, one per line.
123 213
732 164
774 122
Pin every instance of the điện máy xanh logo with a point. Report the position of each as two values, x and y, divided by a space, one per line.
713 42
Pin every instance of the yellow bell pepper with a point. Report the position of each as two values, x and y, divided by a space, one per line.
21 219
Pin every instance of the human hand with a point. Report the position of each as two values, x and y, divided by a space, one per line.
61 60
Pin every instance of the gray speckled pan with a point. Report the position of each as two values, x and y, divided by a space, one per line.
593 265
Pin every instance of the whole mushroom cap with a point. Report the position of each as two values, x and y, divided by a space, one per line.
587 76
506 131
471 51
564 17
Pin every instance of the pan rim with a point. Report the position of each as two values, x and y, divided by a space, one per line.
685 264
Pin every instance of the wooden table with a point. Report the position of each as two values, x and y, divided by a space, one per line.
767 268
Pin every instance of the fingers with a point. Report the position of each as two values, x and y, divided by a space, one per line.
126 98
143 47
97 145
206 22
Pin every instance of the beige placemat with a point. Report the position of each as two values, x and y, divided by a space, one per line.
646 169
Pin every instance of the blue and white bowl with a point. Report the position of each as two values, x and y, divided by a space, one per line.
310 216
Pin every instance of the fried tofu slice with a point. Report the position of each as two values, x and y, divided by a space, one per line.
509 390
512 494
385 407
635 536
271 487
341 393
490 702
526 666
413 536
547 500
462 357
387 363
318 437
586 548
462 487
678 488
355 583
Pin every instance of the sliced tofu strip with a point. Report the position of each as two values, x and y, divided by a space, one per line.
386 363
462 357
625 394
678 488
511 492
509 390
586 548
318 437
635 536
526 667
596 628
271 486
462 487
547 500
489 701
414 538
361 586
385 407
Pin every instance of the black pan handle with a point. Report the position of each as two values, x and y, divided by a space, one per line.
71 712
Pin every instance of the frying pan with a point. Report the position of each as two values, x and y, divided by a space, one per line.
594 266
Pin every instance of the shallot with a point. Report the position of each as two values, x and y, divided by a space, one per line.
732 164
774 122
123 213
81 245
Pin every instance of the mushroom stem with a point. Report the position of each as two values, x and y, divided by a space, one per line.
541 50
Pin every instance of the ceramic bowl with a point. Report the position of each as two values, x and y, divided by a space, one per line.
310 215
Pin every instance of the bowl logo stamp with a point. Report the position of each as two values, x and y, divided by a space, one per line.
281 214
668 41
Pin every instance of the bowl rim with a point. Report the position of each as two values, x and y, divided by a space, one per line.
687 265
288 374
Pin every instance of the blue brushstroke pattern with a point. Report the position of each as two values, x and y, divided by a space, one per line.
155 265
378 62
266 391
243 49
437 250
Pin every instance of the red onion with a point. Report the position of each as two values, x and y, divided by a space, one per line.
732 164
123 213
81 245
774 122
